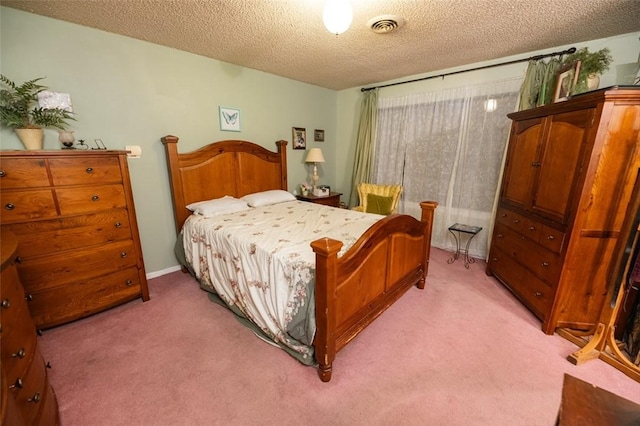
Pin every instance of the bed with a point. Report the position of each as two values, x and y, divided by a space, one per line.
351 287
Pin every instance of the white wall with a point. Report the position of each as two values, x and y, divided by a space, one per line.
130 92
624 49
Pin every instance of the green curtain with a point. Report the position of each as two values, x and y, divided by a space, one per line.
364 144
539 83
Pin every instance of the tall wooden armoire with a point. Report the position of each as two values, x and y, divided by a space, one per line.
567 181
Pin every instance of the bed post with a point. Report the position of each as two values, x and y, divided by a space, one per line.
282 150
326 251
428 211
170 143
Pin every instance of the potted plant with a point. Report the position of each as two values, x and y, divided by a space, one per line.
592 66
19 110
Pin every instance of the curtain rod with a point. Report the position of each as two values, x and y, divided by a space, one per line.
532 58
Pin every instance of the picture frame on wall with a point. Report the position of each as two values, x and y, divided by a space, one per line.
229 119
566 81
318 135
299 138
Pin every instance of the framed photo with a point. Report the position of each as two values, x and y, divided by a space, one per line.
299 138
229 119
566 81
318 135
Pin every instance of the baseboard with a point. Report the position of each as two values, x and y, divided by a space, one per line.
156 274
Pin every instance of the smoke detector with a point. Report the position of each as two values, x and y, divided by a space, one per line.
385 24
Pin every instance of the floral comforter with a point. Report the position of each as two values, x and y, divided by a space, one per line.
260 262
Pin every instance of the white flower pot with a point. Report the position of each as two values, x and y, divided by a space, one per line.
32 139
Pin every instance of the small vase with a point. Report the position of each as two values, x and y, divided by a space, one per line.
66 138
32 139
593 81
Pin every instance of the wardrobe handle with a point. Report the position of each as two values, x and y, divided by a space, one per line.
20 354
9 206
35 398
17 384
5 304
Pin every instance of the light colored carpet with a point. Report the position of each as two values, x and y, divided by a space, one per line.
463 351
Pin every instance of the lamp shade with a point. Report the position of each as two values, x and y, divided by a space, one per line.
337 16
314 156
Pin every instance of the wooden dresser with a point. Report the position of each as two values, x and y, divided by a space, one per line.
72 211
27 397
567 182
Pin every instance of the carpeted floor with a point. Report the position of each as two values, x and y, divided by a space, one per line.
463 351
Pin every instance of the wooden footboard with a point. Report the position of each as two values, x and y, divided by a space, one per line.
353 290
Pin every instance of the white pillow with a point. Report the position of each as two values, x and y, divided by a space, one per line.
218 206
266 198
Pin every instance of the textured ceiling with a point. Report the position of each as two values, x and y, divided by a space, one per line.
287 37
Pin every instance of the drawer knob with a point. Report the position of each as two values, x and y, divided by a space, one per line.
9 206
551 237
95 198
516 221
35 398
503 215
2 173
532 228
89 170
5 303
123 254
20 354
538 294
495 259
118 225
17 384
536 164
129 283
28 297
499 236
18 259
545 264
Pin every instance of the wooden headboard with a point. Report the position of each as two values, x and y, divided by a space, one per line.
229 167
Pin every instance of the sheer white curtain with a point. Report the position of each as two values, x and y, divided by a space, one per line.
447 146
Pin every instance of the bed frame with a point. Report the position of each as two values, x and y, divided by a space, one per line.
350 291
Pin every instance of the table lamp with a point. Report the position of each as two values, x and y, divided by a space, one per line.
315 156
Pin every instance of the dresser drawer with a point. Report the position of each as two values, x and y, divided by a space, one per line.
552 239
11 298
63 304
85 170
519 223
23 173
76 266
90 199
26 205
51 236
533 292
540 261
30 397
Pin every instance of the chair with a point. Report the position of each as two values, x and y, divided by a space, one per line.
380 199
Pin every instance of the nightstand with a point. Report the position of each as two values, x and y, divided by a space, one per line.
333 199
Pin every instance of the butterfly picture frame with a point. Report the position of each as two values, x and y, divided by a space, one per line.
229 119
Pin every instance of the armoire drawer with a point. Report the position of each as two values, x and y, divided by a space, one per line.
33 391
23 173
75 266
25 205
89 199
63 304
533 292
18 343
545 264
85 170
52 236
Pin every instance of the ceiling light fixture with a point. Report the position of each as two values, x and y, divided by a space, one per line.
337 16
